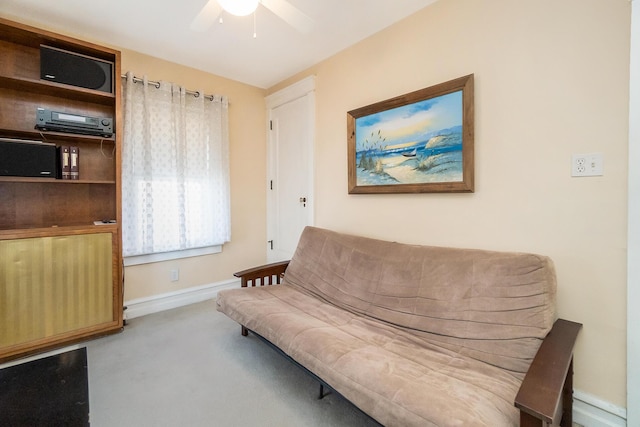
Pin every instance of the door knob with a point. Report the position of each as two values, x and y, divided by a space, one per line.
303 200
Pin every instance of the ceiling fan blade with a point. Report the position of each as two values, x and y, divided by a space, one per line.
290 14
207 16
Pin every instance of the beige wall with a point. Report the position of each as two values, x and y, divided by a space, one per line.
551 79
247 119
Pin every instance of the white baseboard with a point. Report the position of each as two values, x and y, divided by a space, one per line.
591 411
148 305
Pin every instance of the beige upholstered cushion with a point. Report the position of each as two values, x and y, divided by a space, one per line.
492 306
412 335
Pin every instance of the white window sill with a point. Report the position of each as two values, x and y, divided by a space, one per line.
168 256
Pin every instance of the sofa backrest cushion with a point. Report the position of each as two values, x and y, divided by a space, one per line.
492 306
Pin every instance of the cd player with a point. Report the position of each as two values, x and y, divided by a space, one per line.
73 123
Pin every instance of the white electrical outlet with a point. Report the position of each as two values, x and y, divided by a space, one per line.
587 164
175 275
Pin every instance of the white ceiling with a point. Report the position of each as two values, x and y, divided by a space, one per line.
161 28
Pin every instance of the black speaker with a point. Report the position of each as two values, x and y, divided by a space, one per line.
27 158
61 66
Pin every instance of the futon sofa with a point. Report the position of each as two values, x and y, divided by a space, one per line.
417 335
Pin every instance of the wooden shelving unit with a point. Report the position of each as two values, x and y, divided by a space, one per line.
75 267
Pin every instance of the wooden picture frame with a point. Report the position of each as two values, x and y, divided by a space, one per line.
420 142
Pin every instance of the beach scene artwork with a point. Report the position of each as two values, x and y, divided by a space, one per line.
416 143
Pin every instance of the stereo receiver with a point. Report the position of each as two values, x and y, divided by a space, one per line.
73 123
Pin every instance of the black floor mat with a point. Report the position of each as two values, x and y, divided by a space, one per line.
53 391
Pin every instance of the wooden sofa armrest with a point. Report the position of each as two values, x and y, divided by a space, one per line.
546 394
262 275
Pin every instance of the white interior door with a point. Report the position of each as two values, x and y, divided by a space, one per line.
290 169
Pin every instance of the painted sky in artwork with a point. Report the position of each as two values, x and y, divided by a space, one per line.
410 123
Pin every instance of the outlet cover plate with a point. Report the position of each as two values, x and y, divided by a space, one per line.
587 164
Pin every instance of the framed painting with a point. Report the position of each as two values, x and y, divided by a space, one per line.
420 142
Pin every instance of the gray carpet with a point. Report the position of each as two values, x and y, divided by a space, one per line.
191 367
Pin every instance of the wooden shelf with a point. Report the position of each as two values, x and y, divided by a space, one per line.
49 136
26 233
47 224
56 89
33 37
54 180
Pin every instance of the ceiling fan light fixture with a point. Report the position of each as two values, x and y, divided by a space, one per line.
239 7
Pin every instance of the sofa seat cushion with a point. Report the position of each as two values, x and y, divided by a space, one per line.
391 374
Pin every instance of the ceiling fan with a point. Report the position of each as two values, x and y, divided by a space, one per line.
212 11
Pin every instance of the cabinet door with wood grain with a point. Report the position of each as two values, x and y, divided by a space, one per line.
52 286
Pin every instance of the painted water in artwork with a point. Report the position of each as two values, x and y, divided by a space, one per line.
413 144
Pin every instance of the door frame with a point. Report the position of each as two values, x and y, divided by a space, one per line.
633 232
304 88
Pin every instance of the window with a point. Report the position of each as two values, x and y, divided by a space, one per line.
175 169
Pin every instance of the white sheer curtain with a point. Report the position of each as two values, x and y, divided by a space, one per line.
175 169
